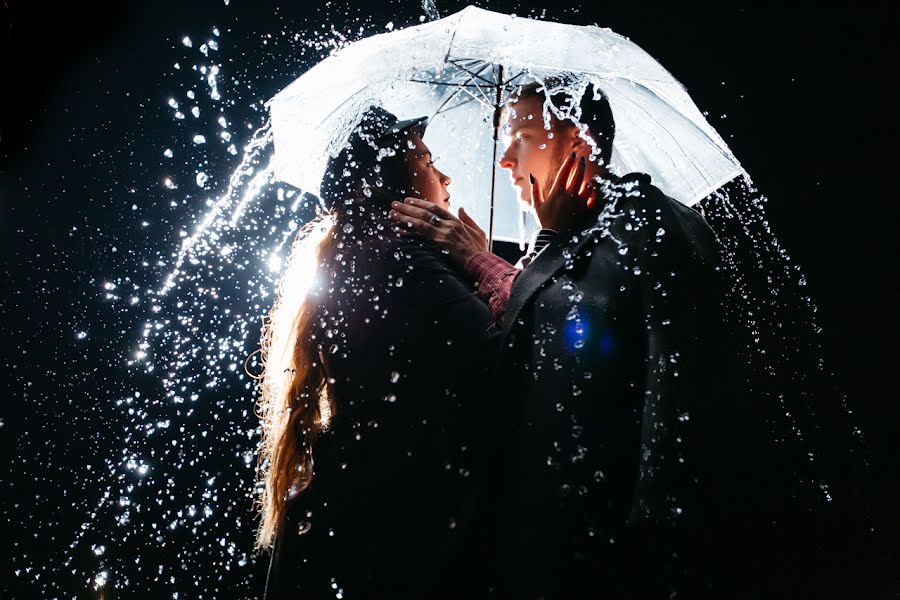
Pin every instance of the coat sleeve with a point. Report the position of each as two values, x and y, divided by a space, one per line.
494 278
675 270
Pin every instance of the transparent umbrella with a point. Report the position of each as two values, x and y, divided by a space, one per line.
459 70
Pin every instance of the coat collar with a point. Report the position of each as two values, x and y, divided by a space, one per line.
553 260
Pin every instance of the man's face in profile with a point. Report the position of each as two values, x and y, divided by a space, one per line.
530 148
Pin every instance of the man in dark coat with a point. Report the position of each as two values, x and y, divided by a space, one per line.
610 419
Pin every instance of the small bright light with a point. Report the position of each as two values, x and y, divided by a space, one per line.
100 579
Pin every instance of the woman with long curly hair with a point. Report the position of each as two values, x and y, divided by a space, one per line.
375 356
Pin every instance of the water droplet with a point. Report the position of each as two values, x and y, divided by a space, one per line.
348 228
303 527
395 377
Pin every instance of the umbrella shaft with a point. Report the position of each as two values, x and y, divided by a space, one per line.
497 106
493 188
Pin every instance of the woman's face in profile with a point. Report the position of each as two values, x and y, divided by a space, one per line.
426 181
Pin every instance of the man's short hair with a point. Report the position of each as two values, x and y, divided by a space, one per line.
594 110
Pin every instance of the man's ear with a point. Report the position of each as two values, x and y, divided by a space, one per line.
578 141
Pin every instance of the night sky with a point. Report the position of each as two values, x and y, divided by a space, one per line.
806 97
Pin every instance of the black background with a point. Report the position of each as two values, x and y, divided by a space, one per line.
805 95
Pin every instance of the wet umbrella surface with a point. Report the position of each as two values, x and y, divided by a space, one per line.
145 230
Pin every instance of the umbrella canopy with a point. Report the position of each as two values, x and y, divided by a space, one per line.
458 71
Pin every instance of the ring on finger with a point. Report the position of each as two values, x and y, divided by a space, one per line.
434 220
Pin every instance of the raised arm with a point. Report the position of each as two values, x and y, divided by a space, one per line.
465 243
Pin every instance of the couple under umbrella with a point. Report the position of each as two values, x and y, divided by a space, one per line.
453 425
438 422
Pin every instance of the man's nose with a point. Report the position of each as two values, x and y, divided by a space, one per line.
506 161
444 179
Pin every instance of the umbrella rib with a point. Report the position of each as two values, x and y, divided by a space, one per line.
445 83
452 39
481 91
483 100
511 79
442 110
461 87
699 168
339 106
664 152
483 95
474 75
451 97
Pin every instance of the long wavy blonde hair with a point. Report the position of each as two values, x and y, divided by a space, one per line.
296 401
